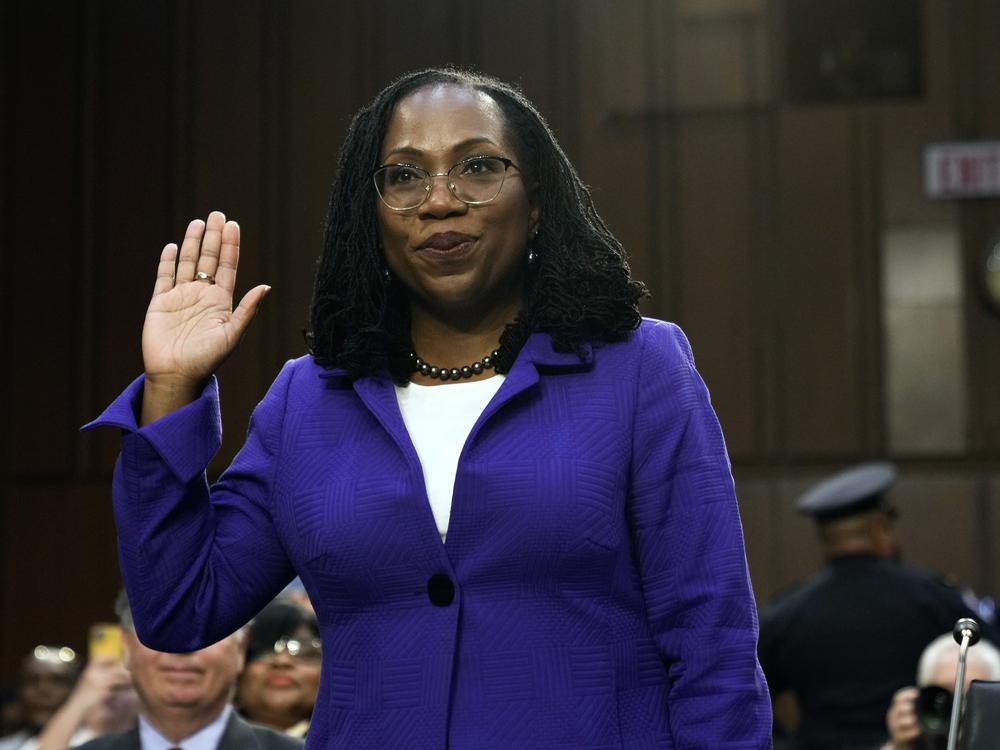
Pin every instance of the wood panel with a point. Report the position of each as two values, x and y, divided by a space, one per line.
136 163
615 157
754 496
978 64
9 58
816 285
42 230
935 511
717 305
436 32
322 91
59 566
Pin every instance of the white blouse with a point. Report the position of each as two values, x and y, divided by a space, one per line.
439 419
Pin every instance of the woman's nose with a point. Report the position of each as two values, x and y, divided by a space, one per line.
441 201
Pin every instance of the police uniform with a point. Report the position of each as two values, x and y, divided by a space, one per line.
847 639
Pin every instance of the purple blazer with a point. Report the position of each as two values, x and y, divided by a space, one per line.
593 591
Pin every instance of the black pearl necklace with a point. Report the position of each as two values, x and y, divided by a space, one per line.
455 373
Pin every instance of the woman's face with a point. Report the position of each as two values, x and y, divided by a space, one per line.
45 685
455 259
279 689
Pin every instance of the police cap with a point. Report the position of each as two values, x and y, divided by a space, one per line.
851 491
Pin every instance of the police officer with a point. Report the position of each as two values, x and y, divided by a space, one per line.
843 642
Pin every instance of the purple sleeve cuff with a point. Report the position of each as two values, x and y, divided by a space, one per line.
186 439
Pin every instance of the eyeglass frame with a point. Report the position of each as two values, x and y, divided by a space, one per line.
281 646
507 164
50 654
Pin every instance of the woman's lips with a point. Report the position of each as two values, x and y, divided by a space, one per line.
446 242
280 681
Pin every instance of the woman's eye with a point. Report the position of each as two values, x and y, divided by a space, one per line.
485 165
403 175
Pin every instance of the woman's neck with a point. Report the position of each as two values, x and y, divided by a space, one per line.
457 343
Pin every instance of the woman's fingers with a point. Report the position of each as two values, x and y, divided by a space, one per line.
248 307
190 251
229 257
165 270
210 247
211 244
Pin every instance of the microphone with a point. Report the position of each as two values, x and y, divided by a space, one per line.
963 626
966 634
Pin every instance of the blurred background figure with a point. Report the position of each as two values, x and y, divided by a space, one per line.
843 642
918 717
47 676
279 684
185 699
10 711
103 701
296 592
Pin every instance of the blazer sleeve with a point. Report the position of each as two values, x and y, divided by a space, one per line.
688 543
198 562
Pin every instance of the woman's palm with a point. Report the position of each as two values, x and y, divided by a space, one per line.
191 326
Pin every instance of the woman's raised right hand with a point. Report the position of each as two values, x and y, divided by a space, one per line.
191 326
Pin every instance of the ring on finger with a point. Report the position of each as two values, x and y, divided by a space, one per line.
203 276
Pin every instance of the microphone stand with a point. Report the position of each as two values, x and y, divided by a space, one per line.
966 634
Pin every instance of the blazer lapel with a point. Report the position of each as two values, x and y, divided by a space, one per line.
128 741
379 397
238 735
536 358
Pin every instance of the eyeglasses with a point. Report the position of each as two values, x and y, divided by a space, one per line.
310 650
475 181
54 654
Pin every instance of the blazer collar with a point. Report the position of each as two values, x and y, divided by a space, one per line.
537 350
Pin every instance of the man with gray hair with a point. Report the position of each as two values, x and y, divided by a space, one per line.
185 699
938 667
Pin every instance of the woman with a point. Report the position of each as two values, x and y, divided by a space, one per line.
46 680
279 683
543 550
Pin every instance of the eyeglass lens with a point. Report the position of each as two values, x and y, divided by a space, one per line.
476 180
298 648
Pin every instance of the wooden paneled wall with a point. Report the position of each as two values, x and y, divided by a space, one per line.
756 224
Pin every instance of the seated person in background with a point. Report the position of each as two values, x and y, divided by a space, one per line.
907 721
103 701
281 679
47 676
184 699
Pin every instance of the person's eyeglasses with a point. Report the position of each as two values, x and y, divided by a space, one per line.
54 654
475 181
310 650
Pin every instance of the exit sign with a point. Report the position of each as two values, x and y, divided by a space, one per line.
963 169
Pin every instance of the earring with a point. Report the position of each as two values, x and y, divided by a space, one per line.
386 275
532 256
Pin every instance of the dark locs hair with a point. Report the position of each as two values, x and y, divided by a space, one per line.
578 290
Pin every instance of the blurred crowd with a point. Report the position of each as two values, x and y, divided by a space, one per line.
862 656
255 688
